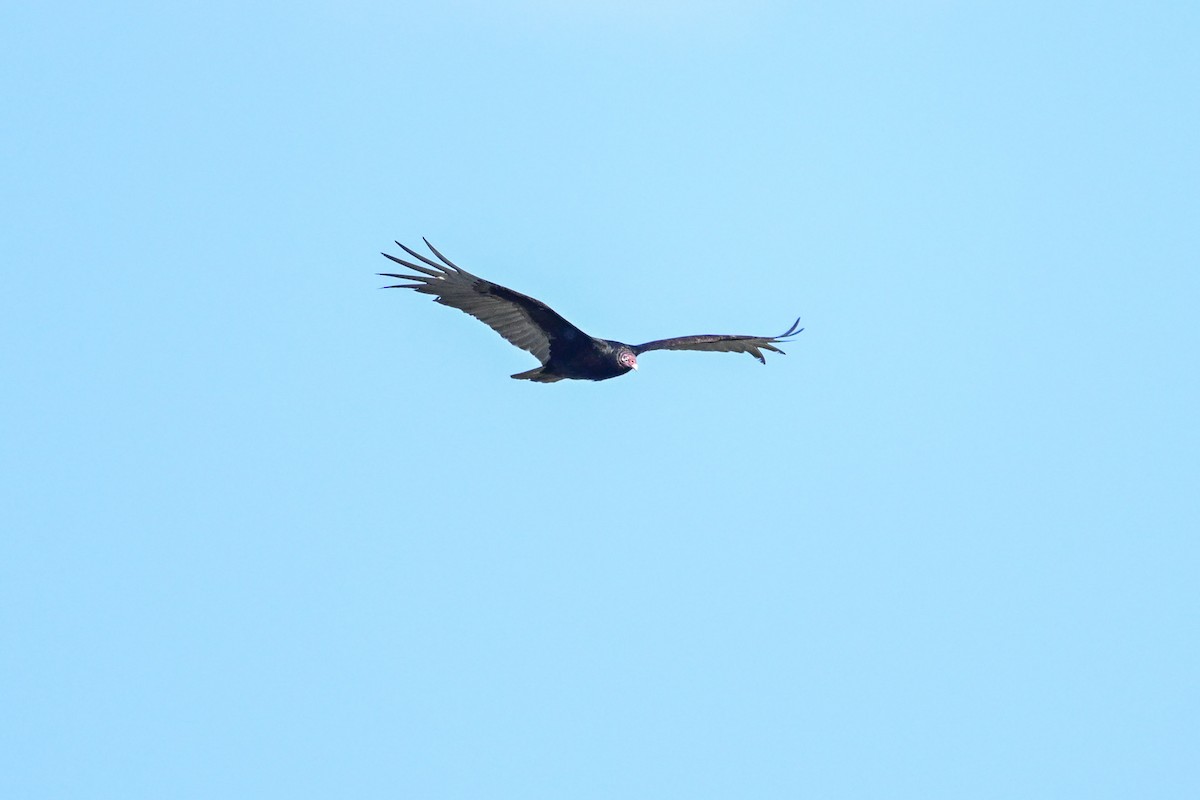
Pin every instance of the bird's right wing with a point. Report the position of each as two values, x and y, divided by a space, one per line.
722 343
525 322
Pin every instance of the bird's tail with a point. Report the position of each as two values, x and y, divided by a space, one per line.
536 374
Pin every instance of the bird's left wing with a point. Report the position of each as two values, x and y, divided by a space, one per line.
754 345
525 322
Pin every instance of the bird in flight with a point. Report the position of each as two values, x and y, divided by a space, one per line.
563 350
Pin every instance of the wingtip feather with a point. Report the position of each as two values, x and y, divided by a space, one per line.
792 331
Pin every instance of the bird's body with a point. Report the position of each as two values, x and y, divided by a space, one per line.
591 360
565 352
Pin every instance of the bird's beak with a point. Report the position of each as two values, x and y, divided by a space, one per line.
635 365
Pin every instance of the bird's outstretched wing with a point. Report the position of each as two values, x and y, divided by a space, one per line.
754 345
525 322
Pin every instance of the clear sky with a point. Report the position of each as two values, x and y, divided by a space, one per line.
271 532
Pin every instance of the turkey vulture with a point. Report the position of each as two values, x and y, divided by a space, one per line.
564 350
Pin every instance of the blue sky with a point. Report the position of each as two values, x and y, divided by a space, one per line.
271 532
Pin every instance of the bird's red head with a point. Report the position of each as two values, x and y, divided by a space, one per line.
627 359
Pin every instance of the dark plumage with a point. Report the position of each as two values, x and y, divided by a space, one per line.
564 350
